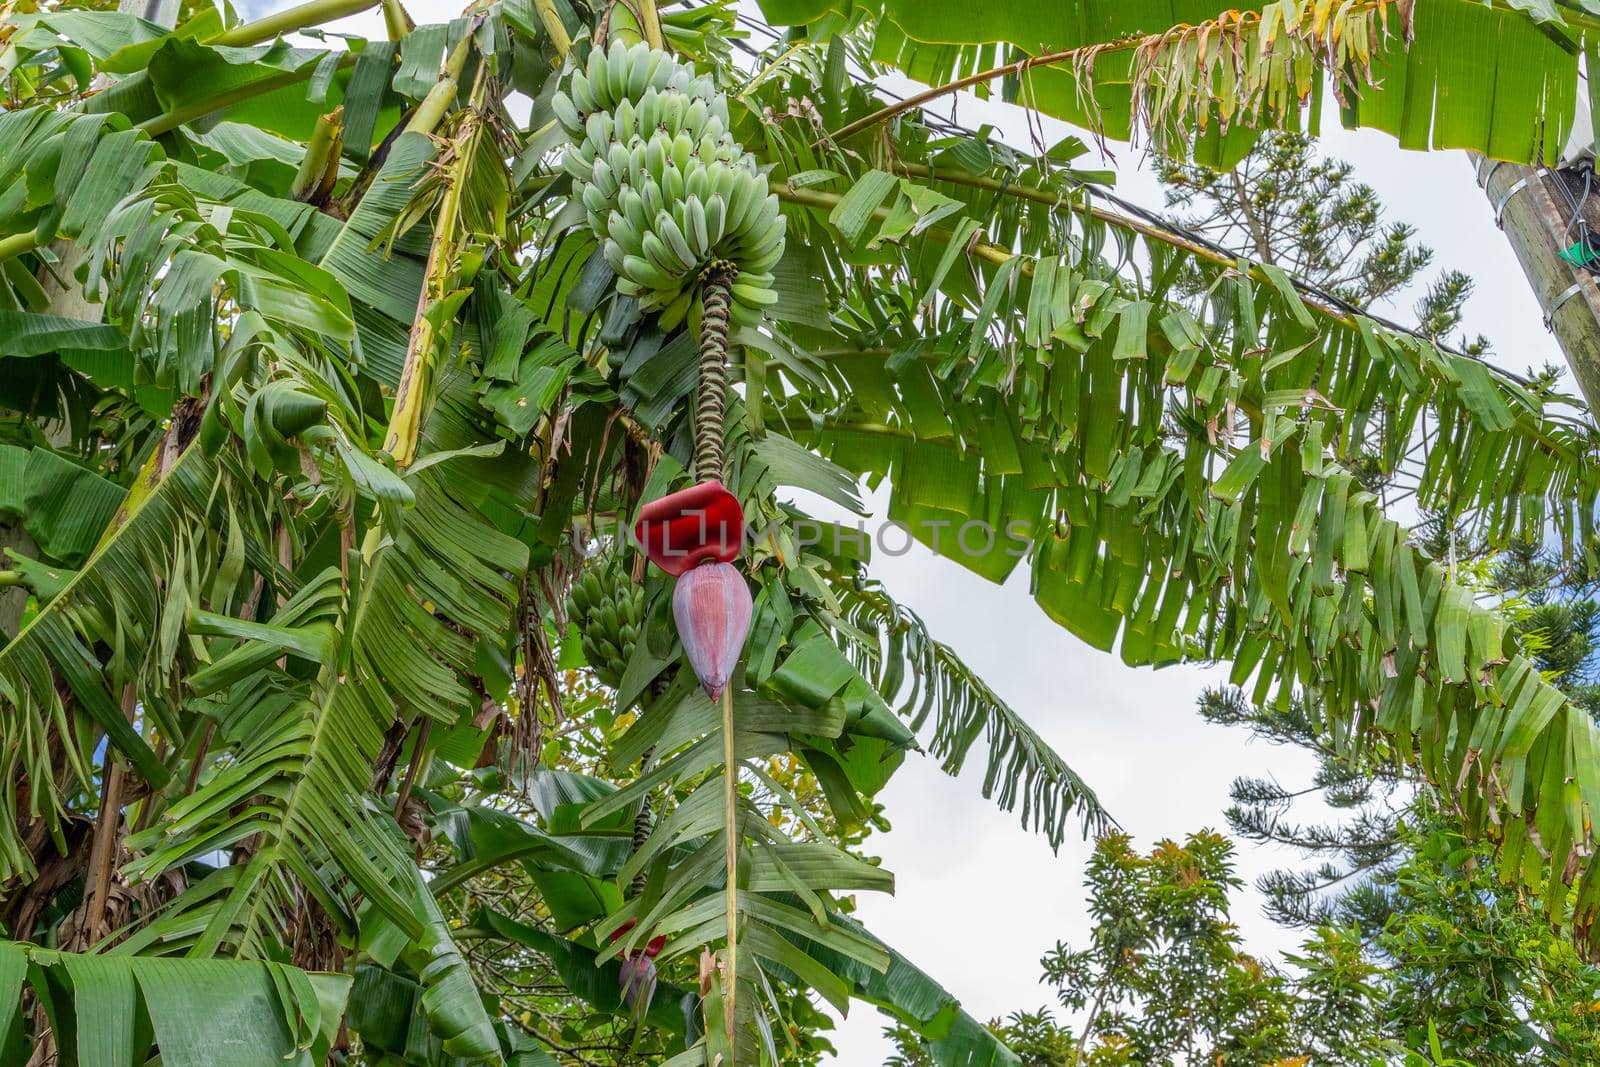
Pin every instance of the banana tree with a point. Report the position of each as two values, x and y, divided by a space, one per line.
339 360
1498 77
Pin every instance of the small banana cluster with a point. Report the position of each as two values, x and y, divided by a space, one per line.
608 609
667 189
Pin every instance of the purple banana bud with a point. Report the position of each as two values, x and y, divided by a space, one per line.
638 982
712 607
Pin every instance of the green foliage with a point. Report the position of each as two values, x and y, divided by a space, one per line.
1285 204
200 1012
1557 613
307 434
1550 602
1367 796
607 608
1415 938
1461 971
1469 958
1034 1036
1127 68
1165 978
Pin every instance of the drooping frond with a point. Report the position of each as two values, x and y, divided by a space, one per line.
1204 73
1275 559
1476 443
113 624
91 162
196 1012
435 580
1184 471
931 682
1251 69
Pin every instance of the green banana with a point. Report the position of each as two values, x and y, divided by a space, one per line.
619 230
602 177
598 127
594 199
614 256
608 610
663 182
617 69
697 116
672 184
682 149
655 156
645 273
662 257
639 67
716 216
672 236
627 119
650 194
582 98
672 113
632 205
649 112
566 113
755 295
697 232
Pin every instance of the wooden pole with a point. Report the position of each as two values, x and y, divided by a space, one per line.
1536 228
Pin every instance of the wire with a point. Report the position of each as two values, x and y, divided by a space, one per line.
1590 258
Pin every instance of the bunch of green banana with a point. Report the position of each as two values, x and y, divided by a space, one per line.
665 186
608 609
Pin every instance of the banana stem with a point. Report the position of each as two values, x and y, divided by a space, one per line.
419 746
322 155
437 103
396 20
730 992
171 120
650 23
289 20
641 825
550 19
711 407
709 415
444 257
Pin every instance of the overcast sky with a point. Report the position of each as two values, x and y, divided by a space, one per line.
978 899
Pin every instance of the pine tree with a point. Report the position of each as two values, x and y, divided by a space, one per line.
1287 206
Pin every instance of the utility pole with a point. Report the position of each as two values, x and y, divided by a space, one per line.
1527 209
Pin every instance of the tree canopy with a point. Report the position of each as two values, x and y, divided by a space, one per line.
338 370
